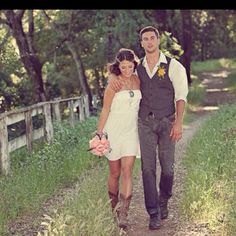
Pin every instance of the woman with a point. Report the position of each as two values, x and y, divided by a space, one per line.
118 119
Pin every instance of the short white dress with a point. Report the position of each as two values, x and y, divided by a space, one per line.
122 125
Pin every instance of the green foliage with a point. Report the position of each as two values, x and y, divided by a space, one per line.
214 34
197 93
231 78
170 46
97 35
209 195
36 176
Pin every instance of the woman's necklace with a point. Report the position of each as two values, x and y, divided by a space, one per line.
128 86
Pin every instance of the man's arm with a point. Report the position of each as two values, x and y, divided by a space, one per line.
179 80
177 129
114 82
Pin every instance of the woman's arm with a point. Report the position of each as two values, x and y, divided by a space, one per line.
107 101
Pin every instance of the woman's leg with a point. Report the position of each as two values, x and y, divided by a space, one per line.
114 175
127 164
113 182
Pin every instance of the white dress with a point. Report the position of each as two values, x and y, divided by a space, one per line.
122 125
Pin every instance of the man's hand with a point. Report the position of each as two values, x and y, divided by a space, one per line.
115 83
176 132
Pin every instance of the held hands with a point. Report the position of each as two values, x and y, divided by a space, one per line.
176 132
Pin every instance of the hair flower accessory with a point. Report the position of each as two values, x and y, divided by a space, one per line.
161 72
99 144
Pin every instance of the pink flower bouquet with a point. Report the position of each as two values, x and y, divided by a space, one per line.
99 145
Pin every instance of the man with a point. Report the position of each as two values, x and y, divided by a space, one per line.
164 90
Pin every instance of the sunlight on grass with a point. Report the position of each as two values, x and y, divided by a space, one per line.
213 65
209 195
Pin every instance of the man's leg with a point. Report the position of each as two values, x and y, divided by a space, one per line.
166 157
148 144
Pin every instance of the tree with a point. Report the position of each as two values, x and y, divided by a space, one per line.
67 34
26 48
187 40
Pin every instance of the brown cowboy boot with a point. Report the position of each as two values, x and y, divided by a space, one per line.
123 211
114 200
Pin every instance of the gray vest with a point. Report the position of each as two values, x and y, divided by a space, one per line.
157 93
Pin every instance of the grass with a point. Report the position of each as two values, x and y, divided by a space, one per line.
213 65
231 78
197 93
209 191
211 180
36 177
88 212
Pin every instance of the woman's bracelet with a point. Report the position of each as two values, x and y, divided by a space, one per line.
99 134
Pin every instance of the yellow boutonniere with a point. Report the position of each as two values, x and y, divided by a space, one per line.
161 72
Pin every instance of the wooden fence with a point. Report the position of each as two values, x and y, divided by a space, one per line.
52 110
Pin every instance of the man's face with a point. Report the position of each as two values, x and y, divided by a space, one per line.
150 42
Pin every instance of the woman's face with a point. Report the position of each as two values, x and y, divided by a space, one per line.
126 68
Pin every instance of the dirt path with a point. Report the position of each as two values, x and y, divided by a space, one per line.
217 93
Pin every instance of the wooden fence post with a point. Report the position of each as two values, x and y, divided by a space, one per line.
56 111
86 104
95 101
4 153
72 114
81 109
48 127
29 130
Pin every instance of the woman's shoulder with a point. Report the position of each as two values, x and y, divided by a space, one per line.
136 78
136 81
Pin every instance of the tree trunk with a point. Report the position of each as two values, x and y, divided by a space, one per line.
161 20
30 60
80 70
99 84
187 41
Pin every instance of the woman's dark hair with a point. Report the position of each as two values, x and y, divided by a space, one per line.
123 54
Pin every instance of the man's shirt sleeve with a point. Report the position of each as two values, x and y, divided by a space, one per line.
178 76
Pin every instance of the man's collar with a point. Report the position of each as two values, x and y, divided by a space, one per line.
162 59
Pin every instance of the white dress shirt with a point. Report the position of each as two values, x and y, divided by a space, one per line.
177 75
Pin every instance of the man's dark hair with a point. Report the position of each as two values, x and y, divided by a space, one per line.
148 29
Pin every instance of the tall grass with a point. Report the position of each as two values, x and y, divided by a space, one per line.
88 211
36 177
209 191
